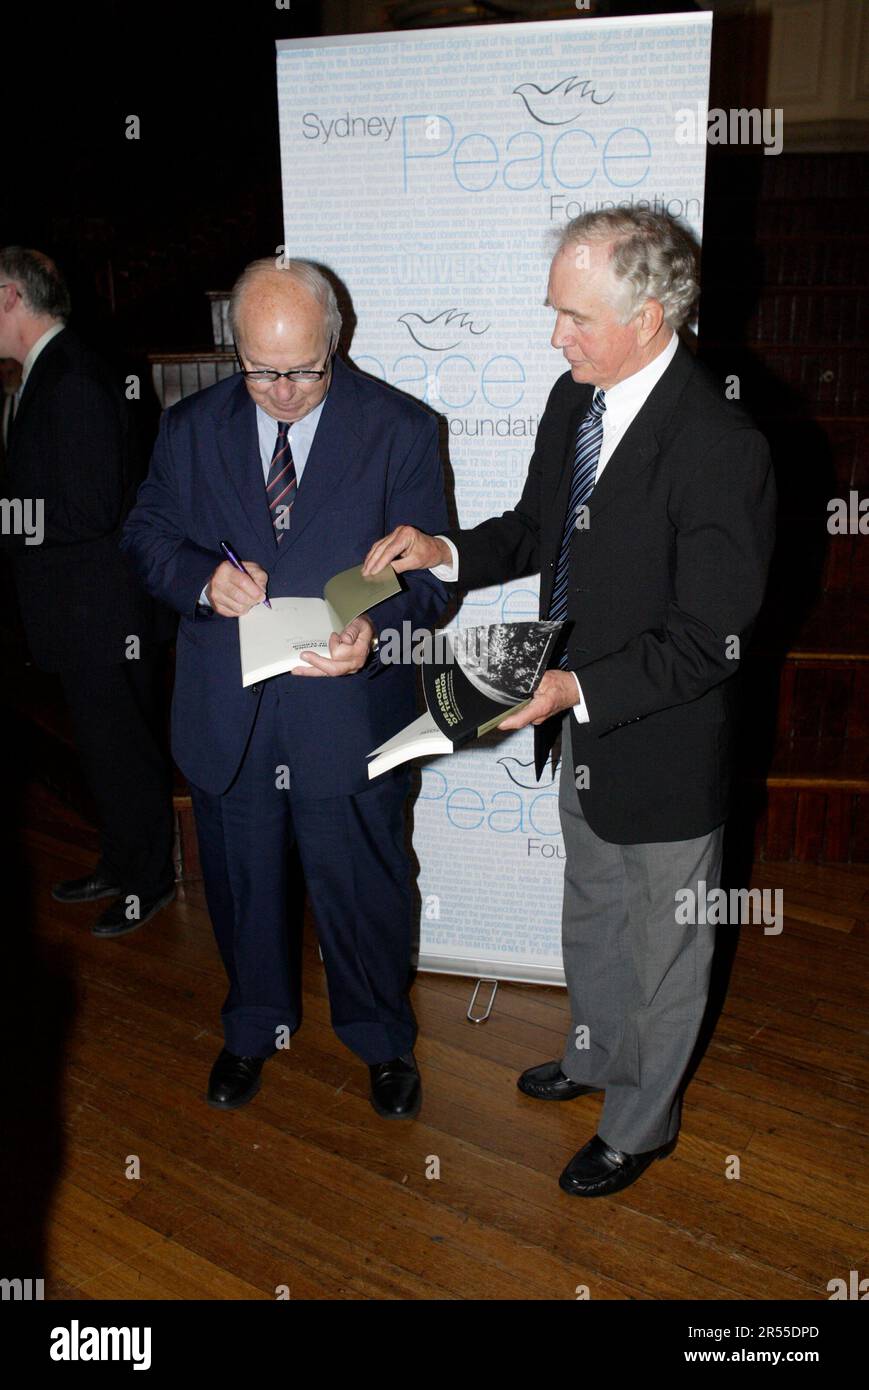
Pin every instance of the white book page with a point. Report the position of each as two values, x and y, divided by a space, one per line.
421 739
271 640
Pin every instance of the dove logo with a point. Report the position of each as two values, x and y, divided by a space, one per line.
561 104
443 331
523 774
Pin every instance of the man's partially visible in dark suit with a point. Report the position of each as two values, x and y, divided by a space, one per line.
648 512
70 463
299 464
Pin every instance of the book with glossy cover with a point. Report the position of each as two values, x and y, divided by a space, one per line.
483 675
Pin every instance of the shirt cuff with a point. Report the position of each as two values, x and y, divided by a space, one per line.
580 709
204 601
448 573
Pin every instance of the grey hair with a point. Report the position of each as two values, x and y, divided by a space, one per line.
305 273
42 287
652 257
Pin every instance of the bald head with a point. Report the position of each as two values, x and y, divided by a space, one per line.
276 314
284 319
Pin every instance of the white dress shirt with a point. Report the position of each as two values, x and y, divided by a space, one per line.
623 403
301 436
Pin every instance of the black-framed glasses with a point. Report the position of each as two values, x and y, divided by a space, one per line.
297 374
5 285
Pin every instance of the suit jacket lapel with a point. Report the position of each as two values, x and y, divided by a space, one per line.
635 451
238 445
639 445
337 441
31 386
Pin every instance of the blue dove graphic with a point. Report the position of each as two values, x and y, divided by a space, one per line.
555 101
450 321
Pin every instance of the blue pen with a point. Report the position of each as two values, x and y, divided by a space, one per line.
234 560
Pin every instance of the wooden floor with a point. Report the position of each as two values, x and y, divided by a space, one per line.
307 1188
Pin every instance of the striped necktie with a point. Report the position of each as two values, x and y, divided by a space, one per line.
281 485
589 438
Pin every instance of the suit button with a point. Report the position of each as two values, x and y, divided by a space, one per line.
255 688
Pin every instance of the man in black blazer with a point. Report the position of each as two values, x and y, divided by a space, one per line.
69 480
648 511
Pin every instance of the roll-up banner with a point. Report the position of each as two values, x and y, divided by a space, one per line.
425 169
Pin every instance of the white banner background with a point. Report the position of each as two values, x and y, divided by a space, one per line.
424 169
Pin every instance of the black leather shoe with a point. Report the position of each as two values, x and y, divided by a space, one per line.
85 890
598 1171
548 1082
234 1080
396 1093
115 922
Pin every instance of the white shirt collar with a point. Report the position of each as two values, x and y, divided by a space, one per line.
626 397
27 364
309 421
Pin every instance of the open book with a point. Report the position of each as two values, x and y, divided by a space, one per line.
271 639
479 676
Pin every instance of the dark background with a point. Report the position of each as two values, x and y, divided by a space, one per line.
141 228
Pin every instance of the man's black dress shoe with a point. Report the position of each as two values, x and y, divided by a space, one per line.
234 1080
598 1171
548 1082
115 922
85 890
396 1092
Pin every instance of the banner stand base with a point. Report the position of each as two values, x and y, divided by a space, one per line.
481 1018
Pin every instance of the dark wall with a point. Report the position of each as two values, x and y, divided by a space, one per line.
143 227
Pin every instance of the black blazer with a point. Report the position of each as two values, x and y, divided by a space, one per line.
70 445
671 568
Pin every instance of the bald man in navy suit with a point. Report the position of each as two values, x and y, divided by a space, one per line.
299 463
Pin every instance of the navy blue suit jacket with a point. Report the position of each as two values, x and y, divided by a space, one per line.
373 465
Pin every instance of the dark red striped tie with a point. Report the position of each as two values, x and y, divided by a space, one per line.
281 486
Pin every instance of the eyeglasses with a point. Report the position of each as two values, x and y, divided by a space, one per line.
297 374
7 283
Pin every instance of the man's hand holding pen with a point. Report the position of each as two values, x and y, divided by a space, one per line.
232 592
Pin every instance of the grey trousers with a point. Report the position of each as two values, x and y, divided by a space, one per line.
638 981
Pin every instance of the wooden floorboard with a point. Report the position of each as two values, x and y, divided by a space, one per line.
307 1188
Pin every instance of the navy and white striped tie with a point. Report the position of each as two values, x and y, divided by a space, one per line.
589 438
281 484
